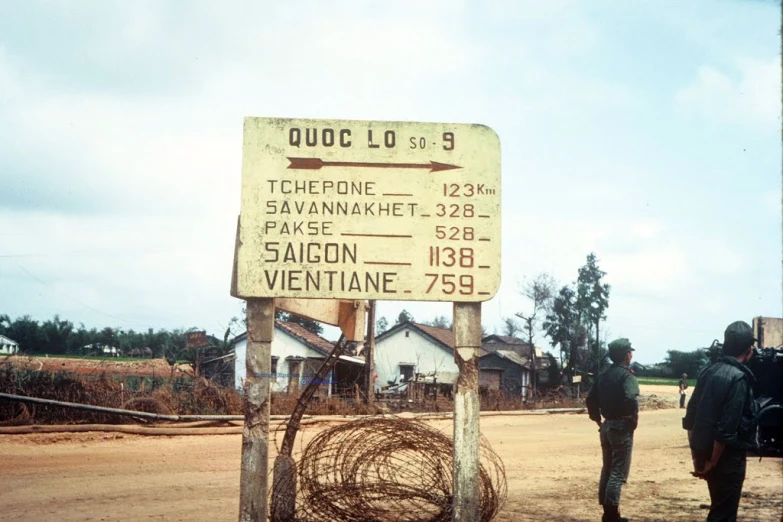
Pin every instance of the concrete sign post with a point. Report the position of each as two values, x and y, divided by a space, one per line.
355 210
255 435
467 344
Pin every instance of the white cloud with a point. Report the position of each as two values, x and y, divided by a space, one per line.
749 95
647 229
654 270
149 121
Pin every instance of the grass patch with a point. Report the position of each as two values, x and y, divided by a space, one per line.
663 381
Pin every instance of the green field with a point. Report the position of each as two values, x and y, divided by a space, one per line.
665 381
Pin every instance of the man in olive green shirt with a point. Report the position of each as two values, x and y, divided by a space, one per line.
614 396
721 422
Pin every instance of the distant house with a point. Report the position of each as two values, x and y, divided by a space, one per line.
296 356
507 366
99 350
506 371
412 351
8 346
140 352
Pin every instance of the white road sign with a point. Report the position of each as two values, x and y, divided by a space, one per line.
369 210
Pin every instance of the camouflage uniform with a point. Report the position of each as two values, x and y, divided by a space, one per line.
614 396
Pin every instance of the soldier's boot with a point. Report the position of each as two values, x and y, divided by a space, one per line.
612 514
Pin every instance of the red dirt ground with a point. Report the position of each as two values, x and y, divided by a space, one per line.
141 367
552 464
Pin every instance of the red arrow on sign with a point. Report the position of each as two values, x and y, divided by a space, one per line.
318 163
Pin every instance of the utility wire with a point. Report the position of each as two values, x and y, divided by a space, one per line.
49 287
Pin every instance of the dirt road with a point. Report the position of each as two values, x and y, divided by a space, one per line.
552 464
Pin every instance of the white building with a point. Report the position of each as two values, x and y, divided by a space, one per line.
410 349
98 350
8 346
296 356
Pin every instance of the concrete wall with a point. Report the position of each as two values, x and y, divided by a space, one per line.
415 348
769 331
284 345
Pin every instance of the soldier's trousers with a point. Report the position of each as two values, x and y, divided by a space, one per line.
725 483
617 447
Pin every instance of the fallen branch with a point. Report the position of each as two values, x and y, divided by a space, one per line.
205 427
133 413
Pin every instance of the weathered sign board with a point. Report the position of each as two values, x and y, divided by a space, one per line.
338 209
196 339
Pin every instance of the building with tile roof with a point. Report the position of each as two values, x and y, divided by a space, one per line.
297 354
409 351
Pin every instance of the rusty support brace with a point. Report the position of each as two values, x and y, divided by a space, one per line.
284 473
467 341
369 355
255 435
284 489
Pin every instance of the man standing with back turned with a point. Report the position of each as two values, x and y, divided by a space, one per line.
614 396
683 387
720 420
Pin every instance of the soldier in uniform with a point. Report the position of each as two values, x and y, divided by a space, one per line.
683 387
721 425
614 396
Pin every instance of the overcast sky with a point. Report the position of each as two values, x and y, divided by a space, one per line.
645 131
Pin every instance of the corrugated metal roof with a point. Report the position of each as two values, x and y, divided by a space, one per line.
513 357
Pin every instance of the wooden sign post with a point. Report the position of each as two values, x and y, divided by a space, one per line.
353 210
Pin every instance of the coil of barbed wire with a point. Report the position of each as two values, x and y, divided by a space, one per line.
388 469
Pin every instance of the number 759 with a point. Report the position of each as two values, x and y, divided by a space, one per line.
450 283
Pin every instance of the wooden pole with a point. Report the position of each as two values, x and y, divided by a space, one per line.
255 434
467 341
370 355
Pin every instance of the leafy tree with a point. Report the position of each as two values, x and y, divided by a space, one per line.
592 300
28 333
563 328
686 362
540 292
108 337
381 325
554 369
232 330
439 322
56 333
78 338
308 324
403 317
510 327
